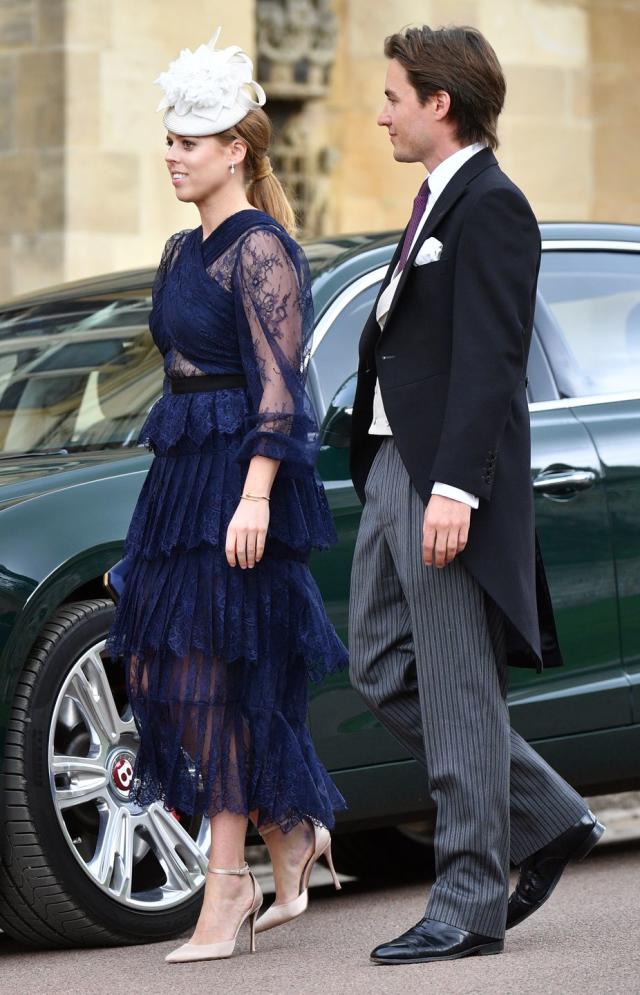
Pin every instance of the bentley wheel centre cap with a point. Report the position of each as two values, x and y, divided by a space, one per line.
122 772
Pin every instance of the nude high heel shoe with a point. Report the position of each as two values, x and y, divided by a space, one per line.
278 915
223 948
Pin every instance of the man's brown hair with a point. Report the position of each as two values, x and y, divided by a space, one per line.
461 61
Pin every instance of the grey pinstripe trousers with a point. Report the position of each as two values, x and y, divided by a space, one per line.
427 655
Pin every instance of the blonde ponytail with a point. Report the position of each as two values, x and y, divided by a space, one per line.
266 193
264 189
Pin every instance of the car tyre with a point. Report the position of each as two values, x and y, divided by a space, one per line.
386 854
47 899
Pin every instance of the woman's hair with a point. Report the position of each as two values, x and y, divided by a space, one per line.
264 189
460 61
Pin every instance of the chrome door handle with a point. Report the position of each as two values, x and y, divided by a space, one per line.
560 482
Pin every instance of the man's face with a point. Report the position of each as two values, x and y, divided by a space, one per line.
410 124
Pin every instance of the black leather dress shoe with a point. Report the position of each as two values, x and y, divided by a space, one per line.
431 940
540 873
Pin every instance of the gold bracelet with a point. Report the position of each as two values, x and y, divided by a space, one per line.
255 497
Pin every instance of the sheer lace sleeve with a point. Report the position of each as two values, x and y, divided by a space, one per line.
275 320
169 255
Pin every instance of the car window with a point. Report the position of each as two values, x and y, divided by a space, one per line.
590 320
77 374
336 357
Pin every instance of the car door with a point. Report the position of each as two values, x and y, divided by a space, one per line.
591 691
346 733
572 480
593 293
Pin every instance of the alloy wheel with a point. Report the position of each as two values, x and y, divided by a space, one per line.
143 857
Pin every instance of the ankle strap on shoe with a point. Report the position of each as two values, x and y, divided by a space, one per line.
269 829
229 870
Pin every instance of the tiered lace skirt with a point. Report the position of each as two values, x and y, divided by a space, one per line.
217 658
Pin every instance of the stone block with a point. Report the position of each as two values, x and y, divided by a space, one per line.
616 206
83 96
389 188
368 24
337 87
146 37
6 269
88 254
534 31
127 109
537 91
50 190
615 95
138 251
551 162
377 177
615 33
7 102
102 191
51 20
89 23
579 82
364 82
17 23
39 118
616 156
360 214
561 210
445 12
18 194
357 130
167 27
38 261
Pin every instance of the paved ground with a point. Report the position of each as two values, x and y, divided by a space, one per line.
586 941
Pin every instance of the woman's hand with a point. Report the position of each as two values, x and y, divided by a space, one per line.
247 533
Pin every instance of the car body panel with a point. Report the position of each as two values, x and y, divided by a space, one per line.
82 542
63 519
614 426
591 690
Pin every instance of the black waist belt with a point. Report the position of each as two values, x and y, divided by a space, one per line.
206 382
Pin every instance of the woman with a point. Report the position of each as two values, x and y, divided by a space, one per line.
220 623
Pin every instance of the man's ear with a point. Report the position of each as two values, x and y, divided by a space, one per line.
441 104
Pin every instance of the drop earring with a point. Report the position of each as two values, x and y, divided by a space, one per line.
232 167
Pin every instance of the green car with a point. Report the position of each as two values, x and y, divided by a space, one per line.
80 864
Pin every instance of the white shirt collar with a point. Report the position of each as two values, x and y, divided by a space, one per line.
446 170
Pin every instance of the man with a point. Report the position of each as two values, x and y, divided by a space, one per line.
447 584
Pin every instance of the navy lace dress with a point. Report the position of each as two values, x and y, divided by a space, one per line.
218 658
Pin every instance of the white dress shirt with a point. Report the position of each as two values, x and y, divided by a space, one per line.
438 180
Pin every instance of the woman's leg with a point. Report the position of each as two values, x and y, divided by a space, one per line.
226 896
288 852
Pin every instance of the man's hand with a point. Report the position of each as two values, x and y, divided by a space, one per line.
445 530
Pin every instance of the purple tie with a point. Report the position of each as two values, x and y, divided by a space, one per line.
419 205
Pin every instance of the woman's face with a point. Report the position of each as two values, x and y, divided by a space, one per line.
199 167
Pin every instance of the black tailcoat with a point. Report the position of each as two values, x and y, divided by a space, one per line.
452 368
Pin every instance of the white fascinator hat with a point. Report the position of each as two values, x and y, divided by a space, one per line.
209 90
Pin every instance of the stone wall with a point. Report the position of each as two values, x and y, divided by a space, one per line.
83 186
32 144
547 130
614 76
120 203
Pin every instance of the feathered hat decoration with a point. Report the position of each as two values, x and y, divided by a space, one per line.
206 91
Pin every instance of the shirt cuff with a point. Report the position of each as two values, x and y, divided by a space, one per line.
446 490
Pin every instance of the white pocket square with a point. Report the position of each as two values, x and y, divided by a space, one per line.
430 252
